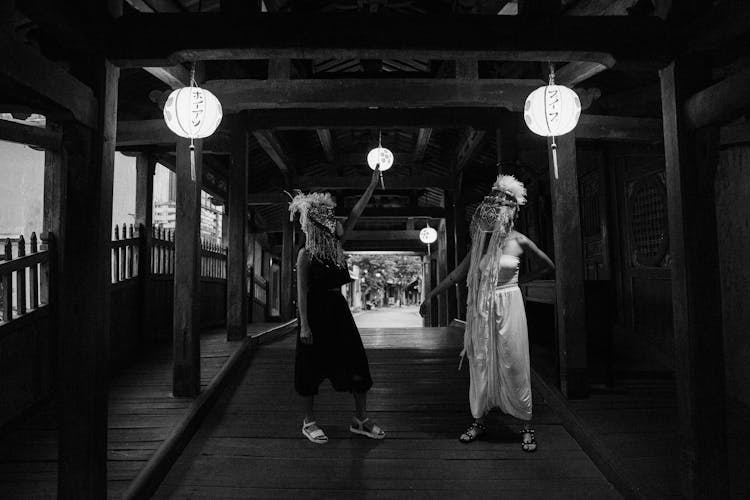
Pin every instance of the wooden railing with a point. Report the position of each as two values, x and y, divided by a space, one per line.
20 290
125 253
213 261
162 251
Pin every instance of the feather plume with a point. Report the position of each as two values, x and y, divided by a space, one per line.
512 187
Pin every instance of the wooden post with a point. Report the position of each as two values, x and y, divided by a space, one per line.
571 309
462 232
287 266
55 174
450 254
145 168
83 309
442 272
426 287
237 249
691 161
187 273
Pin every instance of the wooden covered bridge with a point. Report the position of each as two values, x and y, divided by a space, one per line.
144 361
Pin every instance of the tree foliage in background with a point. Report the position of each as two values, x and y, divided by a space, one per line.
379 271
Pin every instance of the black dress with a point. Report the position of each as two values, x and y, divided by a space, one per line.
336 352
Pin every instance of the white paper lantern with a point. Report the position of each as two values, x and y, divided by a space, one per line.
552 110
381 156
428 235
192 112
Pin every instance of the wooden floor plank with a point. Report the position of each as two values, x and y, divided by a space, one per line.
250 446
142 412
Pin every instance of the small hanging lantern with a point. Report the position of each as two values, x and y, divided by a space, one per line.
193 113
428 236
551 111
381 157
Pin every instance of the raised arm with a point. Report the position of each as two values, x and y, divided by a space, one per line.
455 276
303 284
360 206
531 249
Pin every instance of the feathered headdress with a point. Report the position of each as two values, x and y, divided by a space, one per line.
317 219
511 187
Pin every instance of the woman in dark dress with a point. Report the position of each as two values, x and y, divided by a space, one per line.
328 345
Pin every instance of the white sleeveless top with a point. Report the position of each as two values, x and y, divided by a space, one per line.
508 275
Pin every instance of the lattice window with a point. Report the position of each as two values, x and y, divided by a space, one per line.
590 216
648 221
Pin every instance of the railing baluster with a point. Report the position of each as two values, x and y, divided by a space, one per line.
34 276
21 279
123 254
116 257
131 252
7 291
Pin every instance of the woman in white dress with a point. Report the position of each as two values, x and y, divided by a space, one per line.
496 337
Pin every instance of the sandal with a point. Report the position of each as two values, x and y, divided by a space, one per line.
314 433
474 432
358 427
528 444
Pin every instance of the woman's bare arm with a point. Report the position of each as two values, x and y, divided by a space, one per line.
303 285
455 276
360 206
531 249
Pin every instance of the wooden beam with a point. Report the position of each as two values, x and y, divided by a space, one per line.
237 248
30 135
720 103
613 128
273 148
273 198
134 134
397 213
468 147
153 40
385 117
186 314
83 296
571 309
356 182
384 236
576 72
691 162
176 76
239 95
25 67
326 142
423 139
384 245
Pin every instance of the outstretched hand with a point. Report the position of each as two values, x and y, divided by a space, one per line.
423 308
375 174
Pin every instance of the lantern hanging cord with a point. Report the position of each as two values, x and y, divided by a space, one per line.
546 118
193 83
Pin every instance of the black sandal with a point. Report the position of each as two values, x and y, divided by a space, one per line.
474 432
530 445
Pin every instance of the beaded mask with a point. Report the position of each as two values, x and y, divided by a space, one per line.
499 208
318 221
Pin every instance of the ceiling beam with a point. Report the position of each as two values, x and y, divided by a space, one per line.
162 39
239 95
576 72
423 139
389 235
397 213
274 149
176 76
30 135
23 66
363 118
134 134
326 142
392 182
468 147
613 128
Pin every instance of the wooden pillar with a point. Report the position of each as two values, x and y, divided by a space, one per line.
571 310
462 233
186 315
55 182
691 161
237 251
442 272
83 309
145 167
288 261
450 254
